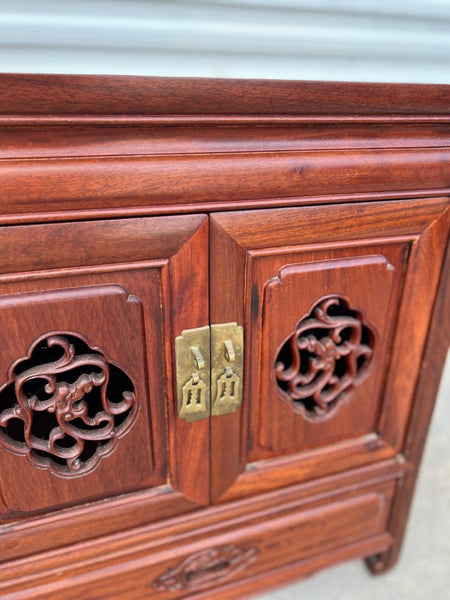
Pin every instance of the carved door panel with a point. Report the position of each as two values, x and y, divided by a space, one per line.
87 315
330 298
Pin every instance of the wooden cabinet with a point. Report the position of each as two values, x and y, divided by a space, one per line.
139 212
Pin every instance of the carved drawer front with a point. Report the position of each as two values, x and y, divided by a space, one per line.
220 557
83 361
340 299
293 536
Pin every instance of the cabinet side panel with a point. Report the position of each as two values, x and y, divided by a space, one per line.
425 394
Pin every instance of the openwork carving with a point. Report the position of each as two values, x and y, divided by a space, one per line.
206 568
328 354
64 405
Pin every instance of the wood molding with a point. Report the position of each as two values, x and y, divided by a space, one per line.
161 145
72 95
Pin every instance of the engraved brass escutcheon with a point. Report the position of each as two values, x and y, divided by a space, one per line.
227 365
209 364
192 349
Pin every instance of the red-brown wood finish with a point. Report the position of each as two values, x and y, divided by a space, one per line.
289 259
123 286
135 208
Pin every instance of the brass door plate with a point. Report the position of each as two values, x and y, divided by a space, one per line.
192 352
227 367
209 365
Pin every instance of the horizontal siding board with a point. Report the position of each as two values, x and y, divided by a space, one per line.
299 39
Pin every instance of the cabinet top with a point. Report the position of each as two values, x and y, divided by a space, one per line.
81 147
82 95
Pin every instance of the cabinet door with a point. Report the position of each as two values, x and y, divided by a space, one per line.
88 312
335 303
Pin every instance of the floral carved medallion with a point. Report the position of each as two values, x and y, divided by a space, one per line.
325 358
206 568
64 405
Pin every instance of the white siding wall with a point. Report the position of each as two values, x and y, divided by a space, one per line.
365 40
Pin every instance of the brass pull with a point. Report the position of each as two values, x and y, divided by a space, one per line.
194 398
228 396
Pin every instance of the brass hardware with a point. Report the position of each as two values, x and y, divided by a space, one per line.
228 393
229 351
199 361
227 366
193 373
209 362
193 406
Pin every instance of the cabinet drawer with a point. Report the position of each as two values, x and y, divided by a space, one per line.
197 553
294 537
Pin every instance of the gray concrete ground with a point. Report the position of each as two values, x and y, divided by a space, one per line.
423 571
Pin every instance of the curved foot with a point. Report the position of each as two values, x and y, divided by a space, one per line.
382 563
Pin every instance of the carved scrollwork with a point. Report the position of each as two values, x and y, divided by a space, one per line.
64 406
205 568
325 358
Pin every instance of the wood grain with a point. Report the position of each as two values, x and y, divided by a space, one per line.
128 182
117 96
